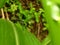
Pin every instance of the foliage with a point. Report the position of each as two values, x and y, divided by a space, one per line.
56 1
52 12
2 2
17 21
15 35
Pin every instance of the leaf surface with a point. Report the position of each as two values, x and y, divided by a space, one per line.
11 34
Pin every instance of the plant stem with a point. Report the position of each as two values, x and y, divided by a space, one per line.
2 13
7 16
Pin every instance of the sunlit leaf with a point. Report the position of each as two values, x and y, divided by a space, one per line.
53 25
11 34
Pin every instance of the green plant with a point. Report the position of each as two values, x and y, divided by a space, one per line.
56 1
53 20
18 34
2 2
15 33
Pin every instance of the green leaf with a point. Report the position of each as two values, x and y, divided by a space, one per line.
56 1
2 2
30 39
8 34
46 41
11 34
36 17
53 25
